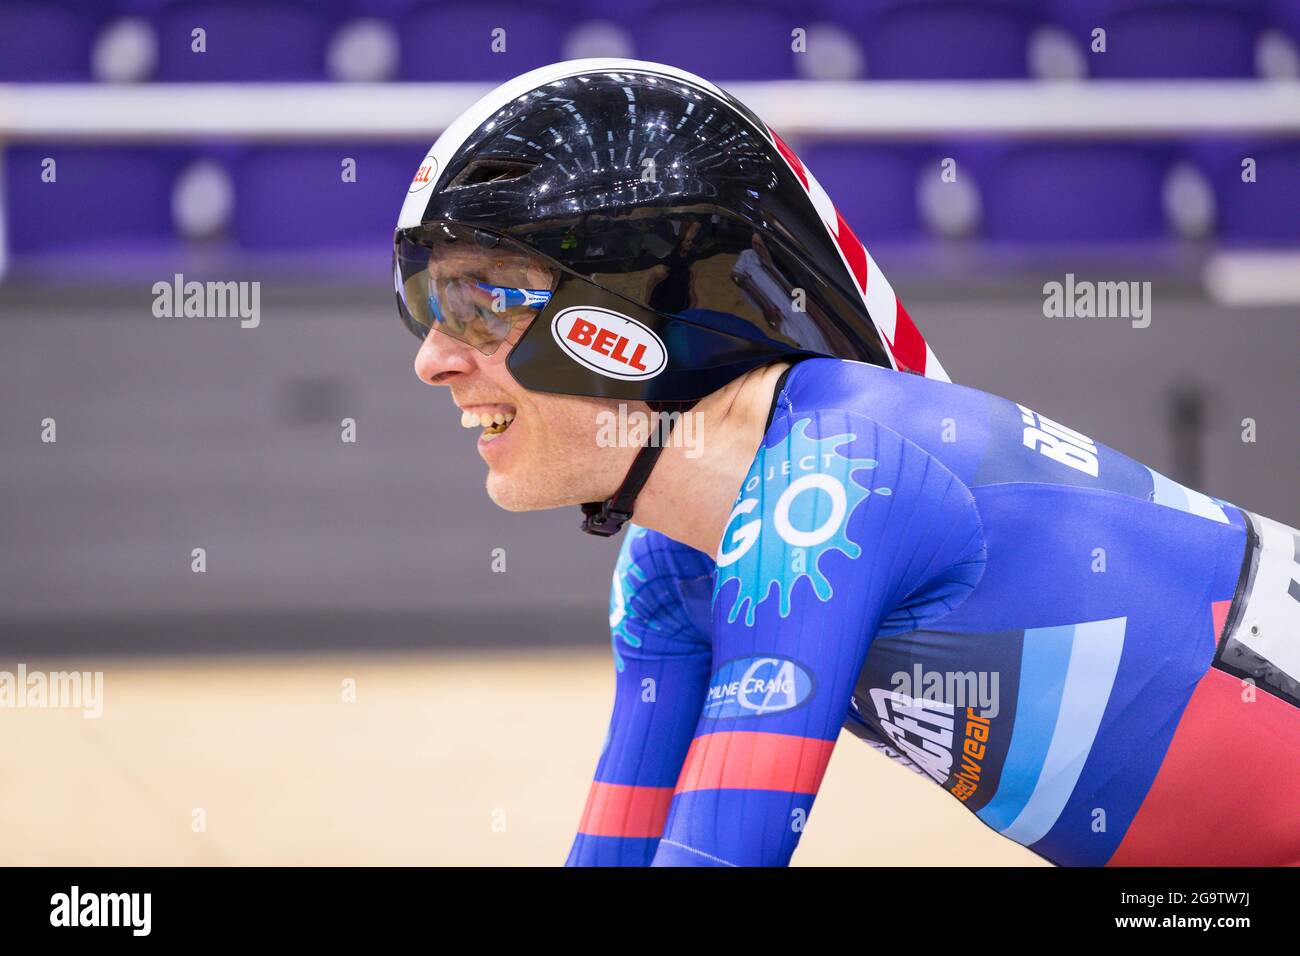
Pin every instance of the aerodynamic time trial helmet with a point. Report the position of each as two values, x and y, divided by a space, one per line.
661 239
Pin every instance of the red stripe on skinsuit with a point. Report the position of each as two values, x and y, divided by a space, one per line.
619 810
743 760
1225 794
1220 609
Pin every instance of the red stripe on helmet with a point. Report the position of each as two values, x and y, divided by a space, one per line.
854 251
908 345
795 163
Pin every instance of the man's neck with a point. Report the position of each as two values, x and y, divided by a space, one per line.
693 487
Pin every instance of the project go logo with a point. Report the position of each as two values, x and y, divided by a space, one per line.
809 480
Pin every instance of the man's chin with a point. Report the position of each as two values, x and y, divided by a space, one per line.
511 503
510 494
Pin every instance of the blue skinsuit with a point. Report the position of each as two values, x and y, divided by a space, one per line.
996 600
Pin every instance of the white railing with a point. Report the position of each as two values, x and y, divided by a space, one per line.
803 109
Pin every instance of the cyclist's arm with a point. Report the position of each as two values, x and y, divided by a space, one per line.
829 541
659 620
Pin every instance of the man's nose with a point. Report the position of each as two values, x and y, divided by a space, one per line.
442 359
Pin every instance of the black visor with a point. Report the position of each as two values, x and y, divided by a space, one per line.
468 283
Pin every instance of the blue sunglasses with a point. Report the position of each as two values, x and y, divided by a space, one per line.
514 298
533 298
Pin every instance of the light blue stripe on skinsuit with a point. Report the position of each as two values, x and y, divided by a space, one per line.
1093 664
1044 661
1094 660
1166 491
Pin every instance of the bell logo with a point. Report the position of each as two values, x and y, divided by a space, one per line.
425 175
609 343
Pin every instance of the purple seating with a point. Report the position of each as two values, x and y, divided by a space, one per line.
111 198
293 198
246 40
1150 39
1263 212
936 39
48 40
727 40
290 200
453 41
1285 16
1075 193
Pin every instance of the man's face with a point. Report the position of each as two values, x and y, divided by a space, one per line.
540 449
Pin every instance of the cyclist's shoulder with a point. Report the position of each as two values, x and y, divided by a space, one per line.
950 423
862 387
660 596
646 554
992 444
854 423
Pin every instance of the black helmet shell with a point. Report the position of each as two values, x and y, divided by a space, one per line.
682 227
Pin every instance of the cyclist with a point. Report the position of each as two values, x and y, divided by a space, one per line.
1099 662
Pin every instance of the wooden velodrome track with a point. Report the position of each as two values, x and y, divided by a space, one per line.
468 759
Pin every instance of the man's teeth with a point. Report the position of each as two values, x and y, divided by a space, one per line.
493 424
475 420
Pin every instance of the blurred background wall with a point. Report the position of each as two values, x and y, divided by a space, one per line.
981 149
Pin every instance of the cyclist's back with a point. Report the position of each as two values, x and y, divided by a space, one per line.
1050 630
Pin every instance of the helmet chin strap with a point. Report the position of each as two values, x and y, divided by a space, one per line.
606 518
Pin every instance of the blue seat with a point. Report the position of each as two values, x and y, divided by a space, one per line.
1261 213
109 198
48 40
246 40
1162 39
453 41
1284 15
293 198
721 41
1075 193
938 39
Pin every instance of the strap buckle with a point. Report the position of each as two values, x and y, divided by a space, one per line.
602 519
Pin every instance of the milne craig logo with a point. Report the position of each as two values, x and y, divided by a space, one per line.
609 343
756 686
425 175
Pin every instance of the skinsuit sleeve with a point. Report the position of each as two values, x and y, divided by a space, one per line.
659 626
